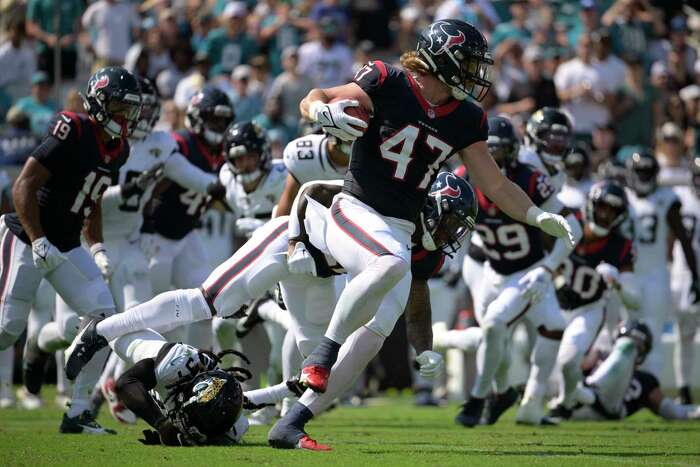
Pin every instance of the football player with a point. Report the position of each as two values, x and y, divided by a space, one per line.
685 303
517 286
171 243
57 196
548 136
656 213
393 164
578 183
603 260
617 388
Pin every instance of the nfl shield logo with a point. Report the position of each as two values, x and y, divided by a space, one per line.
431 113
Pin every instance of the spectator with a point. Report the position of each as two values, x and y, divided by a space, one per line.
670 152
74 102
290 87
111 23
230 45
582 91
513 29
678 42
589 21
17 142
539 90
168 79
40 25
271 120
411 21
326 60
170 118
17 61
153 46
202 25
372 20
612 69
633 24
604 146
247 99
38 107
279 29
188 87
330 9
638 107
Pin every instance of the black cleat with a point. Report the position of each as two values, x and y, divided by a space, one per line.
471 411
560 413
83 423
497 405
684 396
85 345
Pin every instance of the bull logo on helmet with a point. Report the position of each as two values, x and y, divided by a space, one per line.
103 82
448 190
441 40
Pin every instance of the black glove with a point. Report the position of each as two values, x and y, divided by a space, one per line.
170 435
695 292
279 299
139 184
216 190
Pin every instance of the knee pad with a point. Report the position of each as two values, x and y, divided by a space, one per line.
391 268
7 339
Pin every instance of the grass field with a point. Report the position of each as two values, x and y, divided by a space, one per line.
389 432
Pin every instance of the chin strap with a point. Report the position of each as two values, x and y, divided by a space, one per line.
426 239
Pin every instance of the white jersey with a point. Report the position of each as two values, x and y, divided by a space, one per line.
307 159
573 194
528 156
260 203
651 228
690 212
122 218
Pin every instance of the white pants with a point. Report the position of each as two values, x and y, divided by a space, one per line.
473 276
77 280
655 303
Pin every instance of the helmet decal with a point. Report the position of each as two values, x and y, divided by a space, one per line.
103 82
441 40
448 190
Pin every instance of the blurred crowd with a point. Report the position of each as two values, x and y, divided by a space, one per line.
627 71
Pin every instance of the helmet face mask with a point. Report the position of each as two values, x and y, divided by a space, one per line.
642 170
457 53
113 100
150 110
208 115
503 144
549 130
639 333
243 143
606 207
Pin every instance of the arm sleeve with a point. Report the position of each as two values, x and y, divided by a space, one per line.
179 170
132 388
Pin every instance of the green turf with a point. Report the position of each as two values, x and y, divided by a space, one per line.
389 432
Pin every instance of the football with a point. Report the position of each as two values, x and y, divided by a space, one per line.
357 112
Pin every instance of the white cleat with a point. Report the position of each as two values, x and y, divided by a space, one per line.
530 412
27 400
7 402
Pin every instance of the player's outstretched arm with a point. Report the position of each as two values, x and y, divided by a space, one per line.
30 180
508 196
419 329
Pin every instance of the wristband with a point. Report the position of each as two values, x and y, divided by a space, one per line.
96 248
532 214
314 108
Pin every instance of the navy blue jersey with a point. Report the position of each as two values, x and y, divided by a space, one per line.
173 210
583 284
82 167
637 394
396 160
513 246
425 264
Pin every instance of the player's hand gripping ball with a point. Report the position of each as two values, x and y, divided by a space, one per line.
343 118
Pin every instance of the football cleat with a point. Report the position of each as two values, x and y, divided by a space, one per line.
85 345
499 403
315 377
470 415
560 412
27 400
424 398
312 445
83 423
530 412
7 401
118 410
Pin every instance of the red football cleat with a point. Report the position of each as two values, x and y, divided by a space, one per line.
311 445
315 377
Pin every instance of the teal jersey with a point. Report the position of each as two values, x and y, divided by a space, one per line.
39 114
42 12
286 36
508 31
229 52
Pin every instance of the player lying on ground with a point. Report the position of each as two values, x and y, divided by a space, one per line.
183 393
617 388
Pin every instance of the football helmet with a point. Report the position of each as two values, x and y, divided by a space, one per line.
113 100
695 175
641 335
606 207
448 214
247 139
150 109
210 407
578 161
503 142
549 132
208 114
641 169
457 53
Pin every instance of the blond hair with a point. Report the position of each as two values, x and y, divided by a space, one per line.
411 62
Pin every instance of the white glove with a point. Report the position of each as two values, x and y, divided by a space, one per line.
430 363
301 262
245 226
534 284
552 224
99 254
335 121
46 256
609 273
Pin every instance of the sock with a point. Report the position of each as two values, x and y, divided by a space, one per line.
488 357
672 411
501 379
269 395
163 313
544 357
570 359
466 340
85 383
34 366
685 351
299 415
361 298
291 364
62 383
362 346
325 354
7 358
